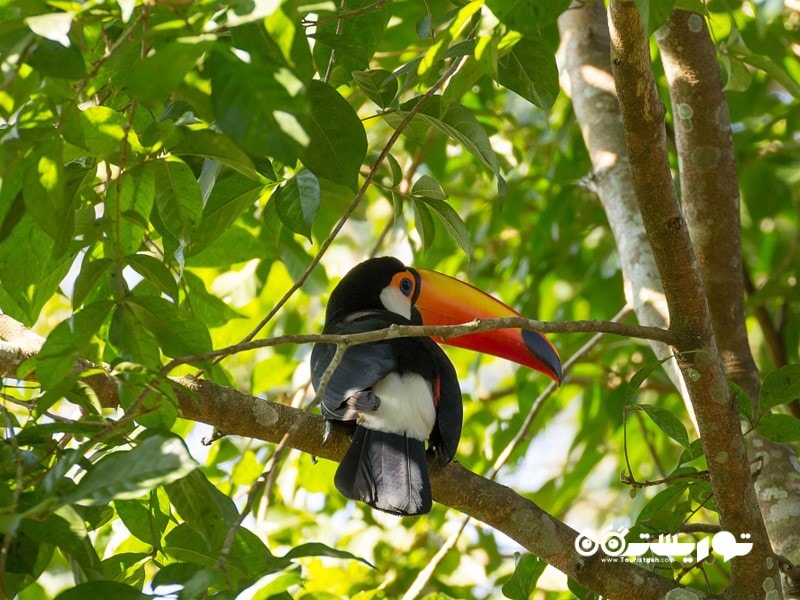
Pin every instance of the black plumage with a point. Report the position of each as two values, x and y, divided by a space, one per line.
386 467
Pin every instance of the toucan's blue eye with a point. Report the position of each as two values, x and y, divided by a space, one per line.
406 287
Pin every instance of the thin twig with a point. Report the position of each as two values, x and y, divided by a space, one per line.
441 331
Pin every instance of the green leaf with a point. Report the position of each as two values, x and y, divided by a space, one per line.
641 375
264 108
249 559
68 342
231 197
152 79
131 341
203 506
530 70
126 567
319 549
779 387
102 130
208 143
526 16
739 77
779 428
297 202
279 585
144 517
660 510
338 142
653 13
194 579
24 262
375 86
129 203
53 59
423 221
157 460
210 309
427 187
738 50
695 6
45 196
458 123
103 589
88 278
743 402
155 272
666 421
67 531
452 223
178 198
177 333
234 245
522 584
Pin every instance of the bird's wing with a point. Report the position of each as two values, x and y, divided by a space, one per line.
348 389
449 410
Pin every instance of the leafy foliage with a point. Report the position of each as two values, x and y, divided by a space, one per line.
170 169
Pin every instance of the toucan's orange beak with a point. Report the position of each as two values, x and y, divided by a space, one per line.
444 300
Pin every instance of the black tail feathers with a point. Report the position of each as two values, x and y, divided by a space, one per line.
387 471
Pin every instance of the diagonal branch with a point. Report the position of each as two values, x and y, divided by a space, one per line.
496 505
710 195
717 418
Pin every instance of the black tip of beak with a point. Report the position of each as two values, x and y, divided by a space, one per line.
544 351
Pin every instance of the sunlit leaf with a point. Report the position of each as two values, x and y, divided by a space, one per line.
68 341
337 140
524 16
178 198
354 40
156 460
152 79
205 142
530 70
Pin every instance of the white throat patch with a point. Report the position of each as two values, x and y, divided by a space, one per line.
394 300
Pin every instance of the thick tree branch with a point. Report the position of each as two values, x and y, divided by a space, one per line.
233 412
709 188
717 418
585 49
710 195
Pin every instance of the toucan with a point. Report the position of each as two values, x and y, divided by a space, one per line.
401 392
